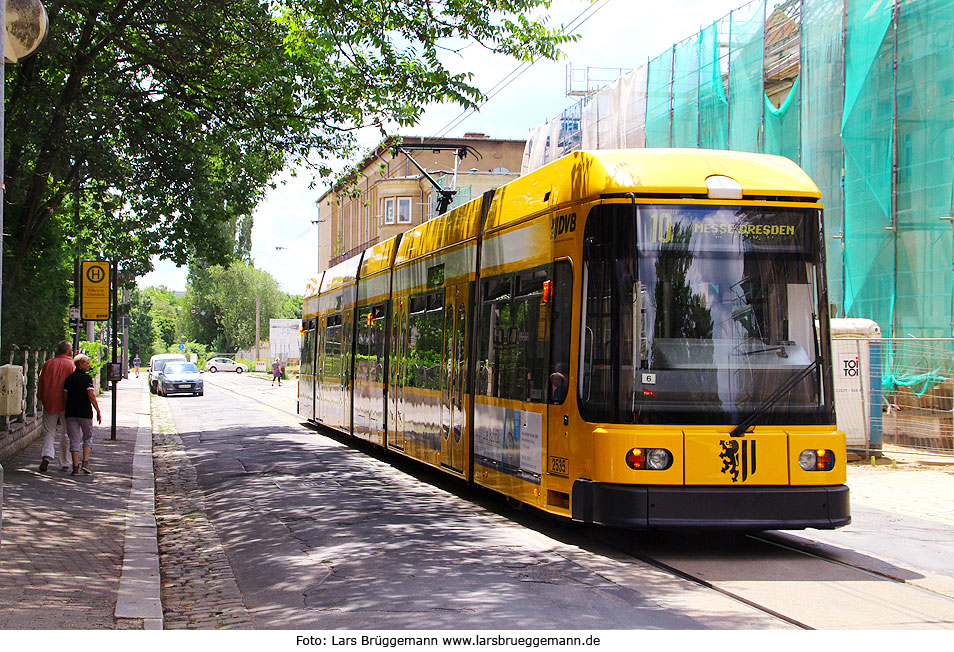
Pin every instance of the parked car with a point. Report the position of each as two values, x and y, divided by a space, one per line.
156 363
225 364
180 378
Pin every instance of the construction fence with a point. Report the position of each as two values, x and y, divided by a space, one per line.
895 394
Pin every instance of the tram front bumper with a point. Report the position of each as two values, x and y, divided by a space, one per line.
730 508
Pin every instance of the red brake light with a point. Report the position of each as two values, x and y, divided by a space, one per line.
547 291
635 459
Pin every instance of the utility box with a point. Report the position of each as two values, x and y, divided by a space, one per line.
856 366
11 389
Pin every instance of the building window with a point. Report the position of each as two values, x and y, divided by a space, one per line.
404 210
389 210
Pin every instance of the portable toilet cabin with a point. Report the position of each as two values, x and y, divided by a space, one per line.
857 367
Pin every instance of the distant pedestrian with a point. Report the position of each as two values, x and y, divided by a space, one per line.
50 392
277 372
80 398
136 363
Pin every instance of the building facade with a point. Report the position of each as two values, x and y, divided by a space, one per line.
389 194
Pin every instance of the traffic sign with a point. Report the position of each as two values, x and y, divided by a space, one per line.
94 281
74 313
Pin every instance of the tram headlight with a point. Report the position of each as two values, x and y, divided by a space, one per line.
648 459
816 460
807 460
659 459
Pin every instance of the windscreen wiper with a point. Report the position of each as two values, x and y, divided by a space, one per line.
780 393
779 350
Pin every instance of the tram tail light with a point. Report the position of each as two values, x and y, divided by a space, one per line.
649 459
547 291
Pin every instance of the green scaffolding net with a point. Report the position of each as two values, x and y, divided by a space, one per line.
713 105
925 170
781 126
746 45
658 101
685 94
822 80
867 139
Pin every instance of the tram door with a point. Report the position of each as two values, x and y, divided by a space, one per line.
452 382
320 335
397 370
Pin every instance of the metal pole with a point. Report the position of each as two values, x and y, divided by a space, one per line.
258 309
115 338
3 36
3 74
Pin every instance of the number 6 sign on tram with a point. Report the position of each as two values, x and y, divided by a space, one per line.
94 281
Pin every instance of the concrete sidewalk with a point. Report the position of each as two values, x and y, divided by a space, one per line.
79 552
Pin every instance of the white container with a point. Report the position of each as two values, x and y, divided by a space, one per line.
11 389
855 372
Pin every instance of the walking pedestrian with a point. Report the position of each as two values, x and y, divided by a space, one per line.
80 398
136 363
277 372
50 392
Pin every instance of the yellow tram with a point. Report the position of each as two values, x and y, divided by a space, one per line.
636 338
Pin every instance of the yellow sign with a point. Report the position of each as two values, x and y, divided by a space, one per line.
94 281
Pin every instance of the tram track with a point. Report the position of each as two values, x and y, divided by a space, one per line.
666 568
779 578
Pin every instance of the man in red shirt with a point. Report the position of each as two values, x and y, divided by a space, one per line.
50 393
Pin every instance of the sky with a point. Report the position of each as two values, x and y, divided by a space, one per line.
616 34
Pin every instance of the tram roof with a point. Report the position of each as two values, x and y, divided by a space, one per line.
589 174
341 274
313 284
458 225
379 257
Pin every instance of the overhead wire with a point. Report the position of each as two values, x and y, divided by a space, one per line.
577 22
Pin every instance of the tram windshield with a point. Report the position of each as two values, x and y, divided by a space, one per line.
698 313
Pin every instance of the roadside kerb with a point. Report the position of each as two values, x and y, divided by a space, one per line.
139 594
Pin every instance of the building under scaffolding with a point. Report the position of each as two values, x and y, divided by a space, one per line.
859 93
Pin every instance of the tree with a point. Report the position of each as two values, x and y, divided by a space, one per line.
147 126
232 295
142 333
165 317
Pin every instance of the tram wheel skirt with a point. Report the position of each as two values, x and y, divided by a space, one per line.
730 508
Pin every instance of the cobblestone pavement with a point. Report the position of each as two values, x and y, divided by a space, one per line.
198 588
62 551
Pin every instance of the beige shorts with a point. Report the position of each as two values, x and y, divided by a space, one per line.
80 431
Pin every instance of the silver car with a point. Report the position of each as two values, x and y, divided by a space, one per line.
225 364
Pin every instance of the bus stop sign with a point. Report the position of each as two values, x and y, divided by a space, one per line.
94 281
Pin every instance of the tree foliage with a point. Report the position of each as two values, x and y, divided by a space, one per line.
149 127
230 296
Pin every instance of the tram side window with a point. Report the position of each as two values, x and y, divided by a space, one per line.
425 341
333 347
512 337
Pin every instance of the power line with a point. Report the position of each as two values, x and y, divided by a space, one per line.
517 72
